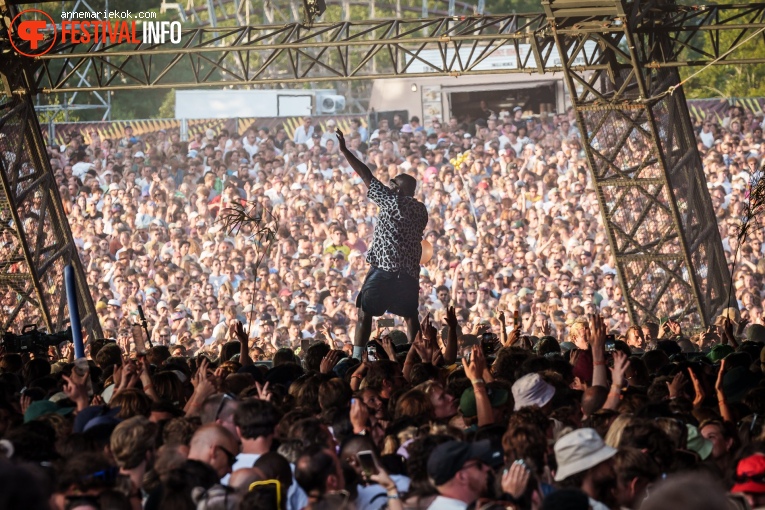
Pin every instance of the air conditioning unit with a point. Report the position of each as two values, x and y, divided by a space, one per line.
329 104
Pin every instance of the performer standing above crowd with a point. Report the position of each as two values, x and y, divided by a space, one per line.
392 283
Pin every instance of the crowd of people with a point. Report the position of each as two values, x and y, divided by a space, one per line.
512 395
513 220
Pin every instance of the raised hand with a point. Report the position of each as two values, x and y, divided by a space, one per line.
340 139
25 401
674 327
203 386
698 389
389 348
240 333
741 326
325 329
546 329
596 335
383 479
451 318
676 385
474 369
359 415
728 331
264 392
429 332
515 479
621 364
144 375
720 377
329 361
423 347
514 336
76 388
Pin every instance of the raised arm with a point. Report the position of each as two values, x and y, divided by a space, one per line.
360 168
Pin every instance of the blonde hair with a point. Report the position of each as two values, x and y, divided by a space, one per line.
615 431
131 440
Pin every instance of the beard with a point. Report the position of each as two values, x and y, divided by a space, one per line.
490 489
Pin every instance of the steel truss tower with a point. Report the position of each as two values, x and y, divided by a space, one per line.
643 159
36 240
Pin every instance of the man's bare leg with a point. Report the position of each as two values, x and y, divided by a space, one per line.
363 331
412 327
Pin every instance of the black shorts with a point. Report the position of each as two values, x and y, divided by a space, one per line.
397 293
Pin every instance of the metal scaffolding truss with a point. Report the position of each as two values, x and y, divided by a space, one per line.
642 154
218 13
67 103
209 57
36 240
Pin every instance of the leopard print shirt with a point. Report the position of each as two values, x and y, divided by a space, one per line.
397 242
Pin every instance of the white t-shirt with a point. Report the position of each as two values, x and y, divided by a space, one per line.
444 503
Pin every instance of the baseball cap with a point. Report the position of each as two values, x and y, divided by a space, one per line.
43 407
719 352
532 390
579 451
447 459
750 474
468 408
755 333
698 443
93 416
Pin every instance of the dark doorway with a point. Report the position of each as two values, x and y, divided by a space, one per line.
536 98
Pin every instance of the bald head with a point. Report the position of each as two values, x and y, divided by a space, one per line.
242 478
404 184
215 445
210 434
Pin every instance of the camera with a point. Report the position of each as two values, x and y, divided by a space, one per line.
33 340
489 343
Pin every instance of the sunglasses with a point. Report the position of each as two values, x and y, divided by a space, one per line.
230 457
223 400
477 464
